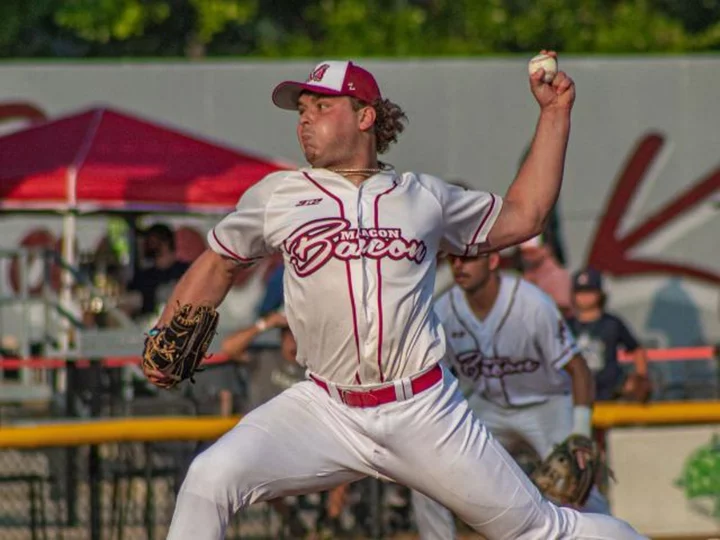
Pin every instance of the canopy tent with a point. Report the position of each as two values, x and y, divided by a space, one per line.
101 160
106 160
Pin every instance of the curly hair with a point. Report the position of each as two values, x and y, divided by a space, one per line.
389 122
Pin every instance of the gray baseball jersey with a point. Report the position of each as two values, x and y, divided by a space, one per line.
515 356
341 244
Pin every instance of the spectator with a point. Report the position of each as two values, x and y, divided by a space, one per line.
9 347
153 285
541 268
599 334
270 373
274 291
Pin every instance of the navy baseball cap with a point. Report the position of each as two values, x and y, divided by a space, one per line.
588 279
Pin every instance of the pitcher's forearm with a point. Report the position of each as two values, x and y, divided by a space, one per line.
537 185
532 195
206 282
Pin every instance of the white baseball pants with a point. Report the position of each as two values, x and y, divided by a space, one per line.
303 441
541 426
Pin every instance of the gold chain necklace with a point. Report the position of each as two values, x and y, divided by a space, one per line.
362 172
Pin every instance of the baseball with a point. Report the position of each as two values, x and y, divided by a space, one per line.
546 62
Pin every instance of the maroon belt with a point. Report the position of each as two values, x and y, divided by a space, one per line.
384 394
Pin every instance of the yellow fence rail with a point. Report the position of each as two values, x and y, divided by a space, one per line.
166 428
145 429
608 415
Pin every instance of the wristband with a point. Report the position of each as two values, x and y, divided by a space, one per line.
154 331
582 420
261 325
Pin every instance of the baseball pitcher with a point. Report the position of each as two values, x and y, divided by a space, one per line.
526 380
359 242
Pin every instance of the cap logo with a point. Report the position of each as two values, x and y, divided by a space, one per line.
318 73
583 279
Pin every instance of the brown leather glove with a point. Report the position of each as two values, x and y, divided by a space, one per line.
174 352
570 471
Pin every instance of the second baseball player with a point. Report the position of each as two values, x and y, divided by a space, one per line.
518 360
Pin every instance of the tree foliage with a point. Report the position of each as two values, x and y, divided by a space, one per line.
353 27
103 20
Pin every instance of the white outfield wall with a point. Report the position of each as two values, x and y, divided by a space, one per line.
469 119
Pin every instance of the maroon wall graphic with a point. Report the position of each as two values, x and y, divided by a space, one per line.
21 110
610 250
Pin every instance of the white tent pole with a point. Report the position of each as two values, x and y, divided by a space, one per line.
70 226
66 294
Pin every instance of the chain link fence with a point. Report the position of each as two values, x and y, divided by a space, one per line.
126 491
119 491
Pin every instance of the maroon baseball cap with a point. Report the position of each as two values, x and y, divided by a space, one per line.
329 78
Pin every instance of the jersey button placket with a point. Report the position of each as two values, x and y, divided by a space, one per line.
368 265
356 286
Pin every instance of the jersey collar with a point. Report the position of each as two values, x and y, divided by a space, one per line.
382 177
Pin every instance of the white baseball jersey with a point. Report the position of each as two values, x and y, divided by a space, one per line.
342 245
515 356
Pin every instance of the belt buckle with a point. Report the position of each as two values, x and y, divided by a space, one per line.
358 399
370 400
347 397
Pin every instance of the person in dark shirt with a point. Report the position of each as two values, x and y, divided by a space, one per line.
274 292
599 335
154 284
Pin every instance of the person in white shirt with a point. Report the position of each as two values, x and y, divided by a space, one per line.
359 242
526 379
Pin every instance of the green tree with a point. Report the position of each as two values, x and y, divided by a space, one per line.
370 28
696 16
213 16
103 20
323 28
634 26
119 20
16 16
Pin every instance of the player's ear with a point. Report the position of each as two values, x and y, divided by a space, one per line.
367 117
494 261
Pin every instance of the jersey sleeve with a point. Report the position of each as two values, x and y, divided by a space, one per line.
468 216
553 334
241 234
626 337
